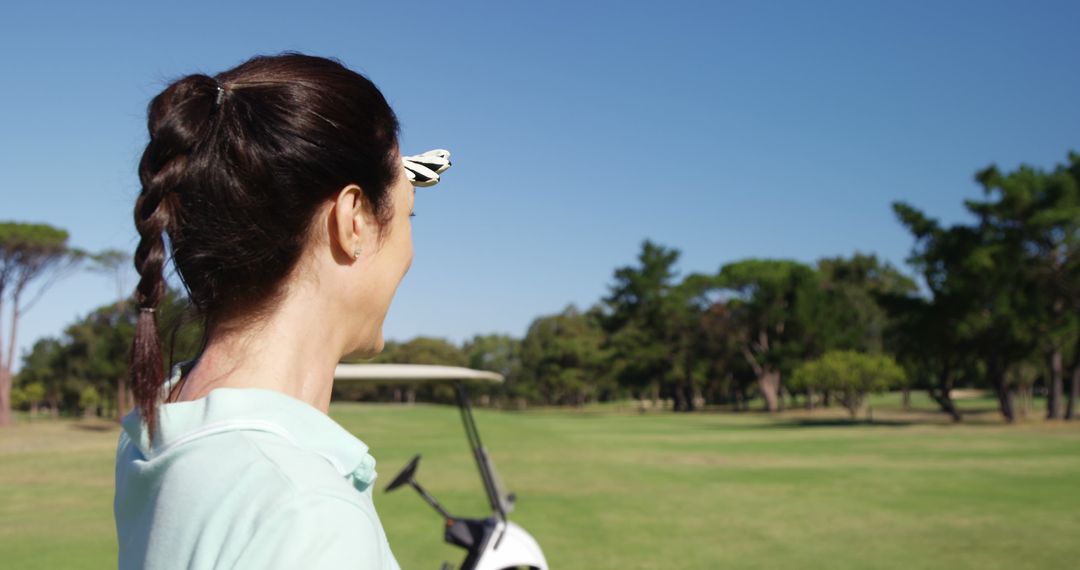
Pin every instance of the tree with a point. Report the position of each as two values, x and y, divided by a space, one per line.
563 358
93 350
422 350
852 289
719 346
28 253
698 337
40 367
116 265
95 353
497 353
88 399
18 398
850 375
643 324
766 299
1037 213
494 352
35 393
928 345
1007 285
980 309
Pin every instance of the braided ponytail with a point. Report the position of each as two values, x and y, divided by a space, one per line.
178 122
236 168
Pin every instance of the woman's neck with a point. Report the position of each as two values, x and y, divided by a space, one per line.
293 351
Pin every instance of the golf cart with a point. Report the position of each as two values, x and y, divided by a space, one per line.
492 542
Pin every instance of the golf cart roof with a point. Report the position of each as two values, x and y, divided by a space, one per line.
394 373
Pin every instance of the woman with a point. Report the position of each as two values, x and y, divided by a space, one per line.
281 189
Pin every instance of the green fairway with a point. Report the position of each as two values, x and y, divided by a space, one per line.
612 488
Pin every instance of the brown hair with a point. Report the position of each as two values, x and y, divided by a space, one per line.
235 168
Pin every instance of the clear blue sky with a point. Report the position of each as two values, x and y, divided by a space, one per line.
724 129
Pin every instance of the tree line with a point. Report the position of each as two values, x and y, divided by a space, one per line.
993 303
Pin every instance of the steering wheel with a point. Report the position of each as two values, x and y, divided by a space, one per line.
405 475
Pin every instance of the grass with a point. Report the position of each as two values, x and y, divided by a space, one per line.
607 487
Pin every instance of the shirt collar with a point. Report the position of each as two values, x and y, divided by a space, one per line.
257 409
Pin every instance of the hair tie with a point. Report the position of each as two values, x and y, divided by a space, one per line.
218 97
146 309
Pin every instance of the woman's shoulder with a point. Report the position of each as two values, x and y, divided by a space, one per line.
316 529
251 496
254 434
264 459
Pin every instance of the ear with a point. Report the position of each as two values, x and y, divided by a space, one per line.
352 220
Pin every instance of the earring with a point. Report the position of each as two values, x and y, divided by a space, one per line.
356 252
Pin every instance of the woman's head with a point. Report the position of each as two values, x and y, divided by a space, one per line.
250 173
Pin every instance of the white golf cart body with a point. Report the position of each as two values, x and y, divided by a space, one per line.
504 544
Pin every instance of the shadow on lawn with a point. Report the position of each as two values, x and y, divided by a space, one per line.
887 418
94 426
836 422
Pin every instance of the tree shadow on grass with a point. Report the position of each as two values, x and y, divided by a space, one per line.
94 426
836 422
889 418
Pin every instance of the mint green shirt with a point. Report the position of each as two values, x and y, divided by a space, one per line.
245 478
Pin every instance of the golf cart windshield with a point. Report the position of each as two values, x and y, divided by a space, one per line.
411 373
501 502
